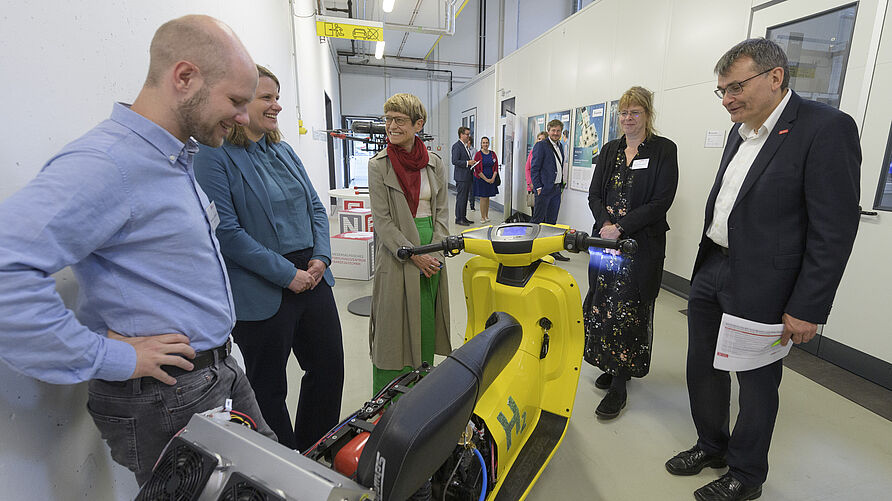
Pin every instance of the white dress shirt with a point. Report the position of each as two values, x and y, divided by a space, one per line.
738 168
559 160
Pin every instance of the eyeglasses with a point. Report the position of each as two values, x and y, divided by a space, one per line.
401 121
736 88
633 114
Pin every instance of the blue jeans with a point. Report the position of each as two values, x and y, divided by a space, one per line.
139 416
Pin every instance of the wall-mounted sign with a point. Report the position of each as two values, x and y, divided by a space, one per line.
350 29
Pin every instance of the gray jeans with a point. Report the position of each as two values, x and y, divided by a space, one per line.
138 417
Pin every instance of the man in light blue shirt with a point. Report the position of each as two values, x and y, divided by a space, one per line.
121 206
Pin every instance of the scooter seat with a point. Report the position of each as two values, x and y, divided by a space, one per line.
419 432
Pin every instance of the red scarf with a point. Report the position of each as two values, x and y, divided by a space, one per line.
407 166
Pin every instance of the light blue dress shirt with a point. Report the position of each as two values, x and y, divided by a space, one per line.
121 206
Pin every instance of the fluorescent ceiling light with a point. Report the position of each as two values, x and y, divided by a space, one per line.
388 5
379 49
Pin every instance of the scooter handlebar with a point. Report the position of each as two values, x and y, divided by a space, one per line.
580 241
452 245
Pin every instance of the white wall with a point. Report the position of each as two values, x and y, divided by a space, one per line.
670 47
480 93
63 65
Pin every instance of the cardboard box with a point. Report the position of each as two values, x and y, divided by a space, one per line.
353 255
354 220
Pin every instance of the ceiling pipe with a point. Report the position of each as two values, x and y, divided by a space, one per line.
389 67
449 30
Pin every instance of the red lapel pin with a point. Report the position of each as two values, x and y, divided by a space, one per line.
783 131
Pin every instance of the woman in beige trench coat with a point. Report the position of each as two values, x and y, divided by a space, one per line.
410 298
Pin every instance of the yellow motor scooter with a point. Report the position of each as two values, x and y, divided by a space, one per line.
504 397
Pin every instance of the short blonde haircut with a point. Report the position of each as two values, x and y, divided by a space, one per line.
644 98
407 104
237 134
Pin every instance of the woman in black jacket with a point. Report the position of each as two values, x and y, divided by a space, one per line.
632 189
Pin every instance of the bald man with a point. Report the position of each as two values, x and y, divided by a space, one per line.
120 205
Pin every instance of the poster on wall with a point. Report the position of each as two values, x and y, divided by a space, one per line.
535 125
613 121
469 120
564 117
588 132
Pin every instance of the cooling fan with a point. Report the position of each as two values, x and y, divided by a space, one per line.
219 460
181 473
242 488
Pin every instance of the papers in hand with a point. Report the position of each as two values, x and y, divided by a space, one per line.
745 345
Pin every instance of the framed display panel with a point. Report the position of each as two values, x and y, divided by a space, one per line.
883 200
588 134
817 49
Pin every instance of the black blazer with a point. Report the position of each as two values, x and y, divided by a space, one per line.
653 190
460 157
793 225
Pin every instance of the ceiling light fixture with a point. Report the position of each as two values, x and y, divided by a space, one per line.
379 49
388 5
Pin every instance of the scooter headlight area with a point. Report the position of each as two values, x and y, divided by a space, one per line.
483 424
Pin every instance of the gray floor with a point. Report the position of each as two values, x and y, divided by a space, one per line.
825 446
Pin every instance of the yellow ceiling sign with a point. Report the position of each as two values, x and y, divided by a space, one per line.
350 29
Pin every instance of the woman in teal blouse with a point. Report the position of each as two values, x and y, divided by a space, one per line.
274 237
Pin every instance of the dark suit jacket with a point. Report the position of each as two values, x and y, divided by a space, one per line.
653 190
793 225
461 172
543 168
247 231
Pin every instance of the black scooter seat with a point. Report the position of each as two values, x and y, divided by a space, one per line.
419 432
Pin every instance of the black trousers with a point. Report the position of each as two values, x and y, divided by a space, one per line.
307 324
462 192
709 389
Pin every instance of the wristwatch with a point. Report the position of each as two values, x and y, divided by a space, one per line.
619 228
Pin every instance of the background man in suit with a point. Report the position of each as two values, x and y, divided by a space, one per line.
464 179
547 174
780 224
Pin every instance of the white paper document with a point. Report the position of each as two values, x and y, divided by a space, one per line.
745 345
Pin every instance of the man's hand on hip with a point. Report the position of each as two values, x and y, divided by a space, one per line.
154 351
800 331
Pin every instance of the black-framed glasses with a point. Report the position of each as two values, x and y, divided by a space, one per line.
401 121
736 88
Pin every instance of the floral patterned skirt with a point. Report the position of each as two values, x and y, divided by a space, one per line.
618 325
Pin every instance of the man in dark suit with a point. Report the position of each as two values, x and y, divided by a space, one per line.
464 179
547 175
780 224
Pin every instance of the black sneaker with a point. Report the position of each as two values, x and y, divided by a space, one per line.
604 381
610 406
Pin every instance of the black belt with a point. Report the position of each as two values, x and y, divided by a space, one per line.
203 359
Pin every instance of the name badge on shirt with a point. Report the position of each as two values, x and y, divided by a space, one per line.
213 217
641 163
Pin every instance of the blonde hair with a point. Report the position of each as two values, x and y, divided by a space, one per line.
237 135
644 98
407 104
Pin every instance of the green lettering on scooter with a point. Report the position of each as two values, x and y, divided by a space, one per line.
518 421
